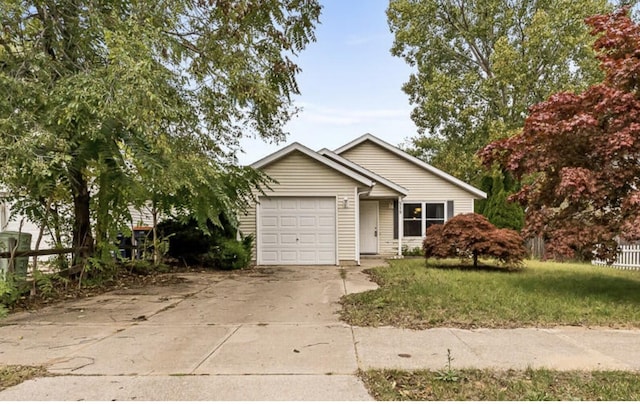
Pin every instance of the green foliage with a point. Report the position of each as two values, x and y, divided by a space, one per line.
496 208
480 64
188 241
577 153
4 291
110 104
411 252
232 254
217 247
48 285
11 289
448 374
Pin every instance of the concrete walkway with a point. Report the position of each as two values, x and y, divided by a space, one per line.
271 334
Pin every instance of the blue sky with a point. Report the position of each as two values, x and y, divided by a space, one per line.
350 84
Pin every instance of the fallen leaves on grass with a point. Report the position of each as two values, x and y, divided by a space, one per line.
496 385
11 375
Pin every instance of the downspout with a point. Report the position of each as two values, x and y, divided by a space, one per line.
358 195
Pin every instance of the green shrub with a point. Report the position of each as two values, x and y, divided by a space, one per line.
411 252
10 293
231 254
189 243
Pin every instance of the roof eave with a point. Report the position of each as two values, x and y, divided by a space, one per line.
373 176
315 156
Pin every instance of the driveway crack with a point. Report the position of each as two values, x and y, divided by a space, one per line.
231 334
353 334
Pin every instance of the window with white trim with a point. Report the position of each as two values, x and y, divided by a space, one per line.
418 216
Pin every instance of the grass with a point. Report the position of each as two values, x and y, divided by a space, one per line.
540 294
493 385
11 375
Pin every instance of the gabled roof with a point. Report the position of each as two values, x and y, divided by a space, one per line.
315 156
439 173
355 167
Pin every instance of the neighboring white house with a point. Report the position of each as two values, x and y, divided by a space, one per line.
365 198
14 222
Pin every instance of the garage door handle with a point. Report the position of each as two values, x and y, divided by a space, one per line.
375 233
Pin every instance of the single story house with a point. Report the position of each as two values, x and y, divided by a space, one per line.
364 198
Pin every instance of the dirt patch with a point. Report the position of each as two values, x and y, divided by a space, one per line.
67 290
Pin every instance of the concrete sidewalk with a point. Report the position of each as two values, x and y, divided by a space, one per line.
261 335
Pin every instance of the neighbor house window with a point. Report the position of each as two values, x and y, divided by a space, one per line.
418 216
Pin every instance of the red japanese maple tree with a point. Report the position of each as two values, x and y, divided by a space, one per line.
579 154
471 235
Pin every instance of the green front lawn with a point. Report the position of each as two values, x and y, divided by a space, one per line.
491 385
542 294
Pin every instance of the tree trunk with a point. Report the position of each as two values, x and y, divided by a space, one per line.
82 217
475 259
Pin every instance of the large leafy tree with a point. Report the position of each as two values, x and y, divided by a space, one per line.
101 96
480 64
579 153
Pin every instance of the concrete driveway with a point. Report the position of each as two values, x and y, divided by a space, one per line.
271 334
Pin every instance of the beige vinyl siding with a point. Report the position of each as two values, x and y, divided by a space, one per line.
382 191
422 185
298 175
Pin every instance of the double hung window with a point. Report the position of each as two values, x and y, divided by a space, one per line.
418 216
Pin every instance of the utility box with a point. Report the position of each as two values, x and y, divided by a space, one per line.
8 239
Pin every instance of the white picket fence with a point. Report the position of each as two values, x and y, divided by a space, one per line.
628 258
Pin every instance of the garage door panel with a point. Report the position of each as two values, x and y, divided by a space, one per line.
327 221
308 204
308 221
269 221
289 221
325 239
268 239
289 256
327 204
287 238
308 239
288 203
269 256
326 255
297 231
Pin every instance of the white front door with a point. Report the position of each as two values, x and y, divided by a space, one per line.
368 227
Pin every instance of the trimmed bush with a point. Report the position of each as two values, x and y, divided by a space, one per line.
472 236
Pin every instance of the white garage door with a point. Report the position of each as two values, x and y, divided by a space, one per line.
297 231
